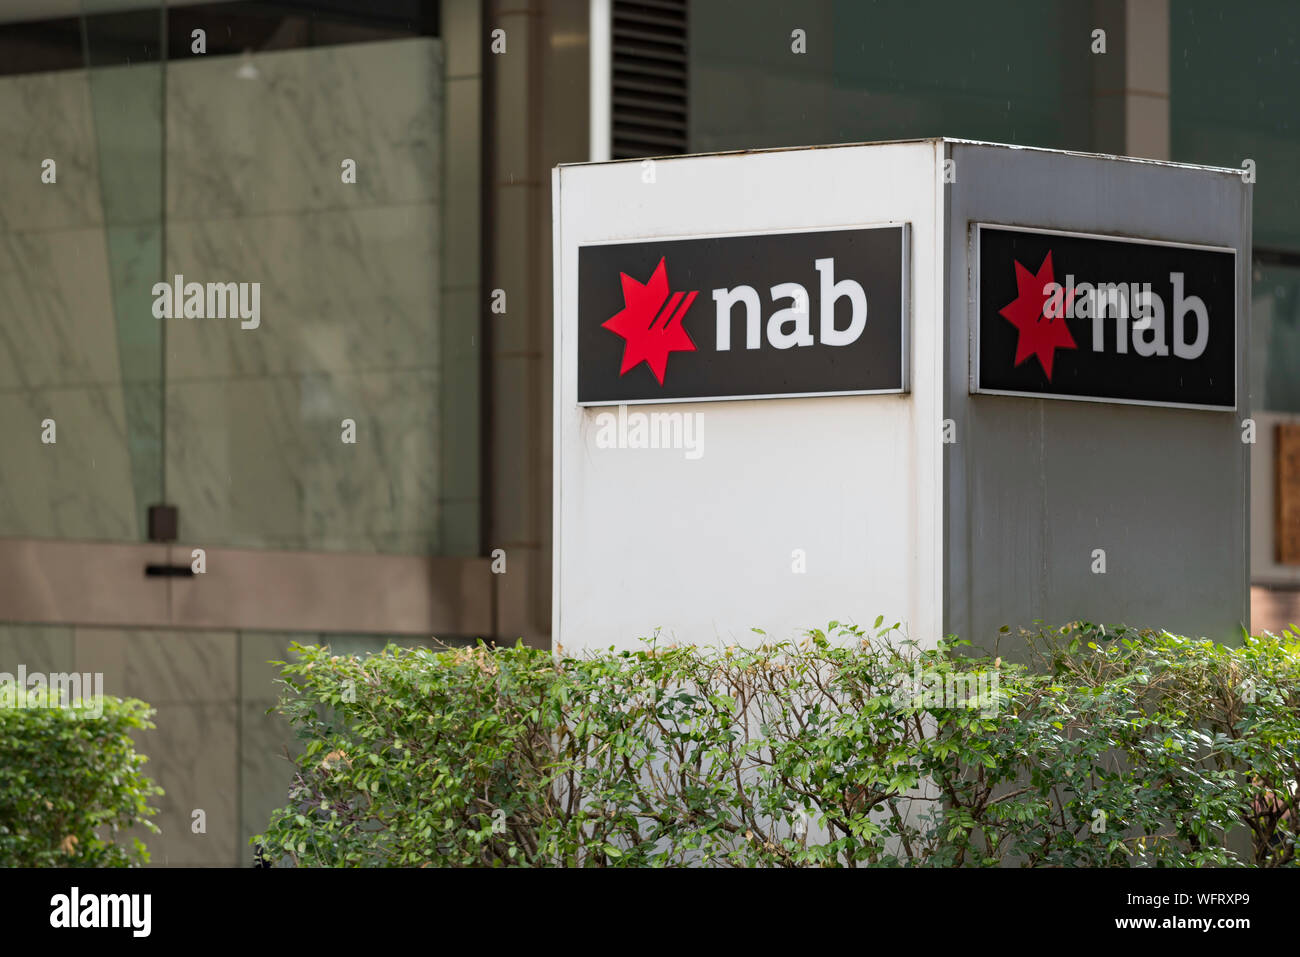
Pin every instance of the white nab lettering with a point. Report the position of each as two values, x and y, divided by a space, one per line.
1183 305
791 326
831 291
726 299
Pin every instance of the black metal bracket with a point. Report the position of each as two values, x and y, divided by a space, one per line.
168 571
164 523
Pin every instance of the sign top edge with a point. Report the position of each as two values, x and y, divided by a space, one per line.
933 140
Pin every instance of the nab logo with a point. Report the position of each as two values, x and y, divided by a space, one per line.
1040 334
650 329
789 316
1151 323
1042 306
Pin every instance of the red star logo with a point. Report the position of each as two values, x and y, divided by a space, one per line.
651 328
1040 335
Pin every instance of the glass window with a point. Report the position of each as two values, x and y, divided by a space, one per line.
888 70
248 286
1234 77
1275 333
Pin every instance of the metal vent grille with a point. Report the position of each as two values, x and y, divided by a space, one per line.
648 99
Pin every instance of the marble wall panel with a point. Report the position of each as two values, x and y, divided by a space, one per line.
274 142
76 488
56 319
194 756
43 648
340 291
261 461
48 116
162 667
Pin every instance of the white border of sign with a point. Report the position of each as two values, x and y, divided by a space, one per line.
905 307
974 311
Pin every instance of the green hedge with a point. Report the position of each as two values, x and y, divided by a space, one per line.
71 781
850 747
